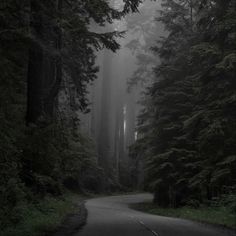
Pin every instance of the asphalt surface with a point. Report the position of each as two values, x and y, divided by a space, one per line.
111 216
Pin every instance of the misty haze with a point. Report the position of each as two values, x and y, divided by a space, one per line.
117 118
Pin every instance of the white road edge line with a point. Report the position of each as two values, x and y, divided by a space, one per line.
152 231
145 226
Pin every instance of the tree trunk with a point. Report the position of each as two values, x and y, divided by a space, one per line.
44 69
35 68
104 137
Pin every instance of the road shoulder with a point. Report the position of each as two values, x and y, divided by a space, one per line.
212 217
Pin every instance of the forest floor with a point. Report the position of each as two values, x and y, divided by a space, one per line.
60 216
220 216
49 217
67 214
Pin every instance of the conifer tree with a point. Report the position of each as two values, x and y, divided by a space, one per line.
187 123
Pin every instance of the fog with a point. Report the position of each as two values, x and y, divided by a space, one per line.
100 97
114 96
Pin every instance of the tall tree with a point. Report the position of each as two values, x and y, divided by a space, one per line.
105 132
184 128
42 44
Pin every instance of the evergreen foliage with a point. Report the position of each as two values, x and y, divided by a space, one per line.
187 126
42 43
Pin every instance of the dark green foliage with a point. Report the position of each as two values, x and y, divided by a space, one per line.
188 122
41 44
214 214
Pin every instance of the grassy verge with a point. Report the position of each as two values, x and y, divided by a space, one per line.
213 215
42 218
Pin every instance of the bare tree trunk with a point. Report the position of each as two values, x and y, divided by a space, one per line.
35 68
44 69
104 137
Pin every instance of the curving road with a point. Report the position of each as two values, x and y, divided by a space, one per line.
111 216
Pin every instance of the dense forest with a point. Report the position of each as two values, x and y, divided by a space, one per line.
47 59
187 125
166 99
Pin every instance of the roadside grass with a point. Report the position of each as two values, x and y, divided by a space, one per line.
42 218
213 215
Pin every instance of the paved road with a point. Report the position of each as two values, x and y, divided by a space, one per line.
110 216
